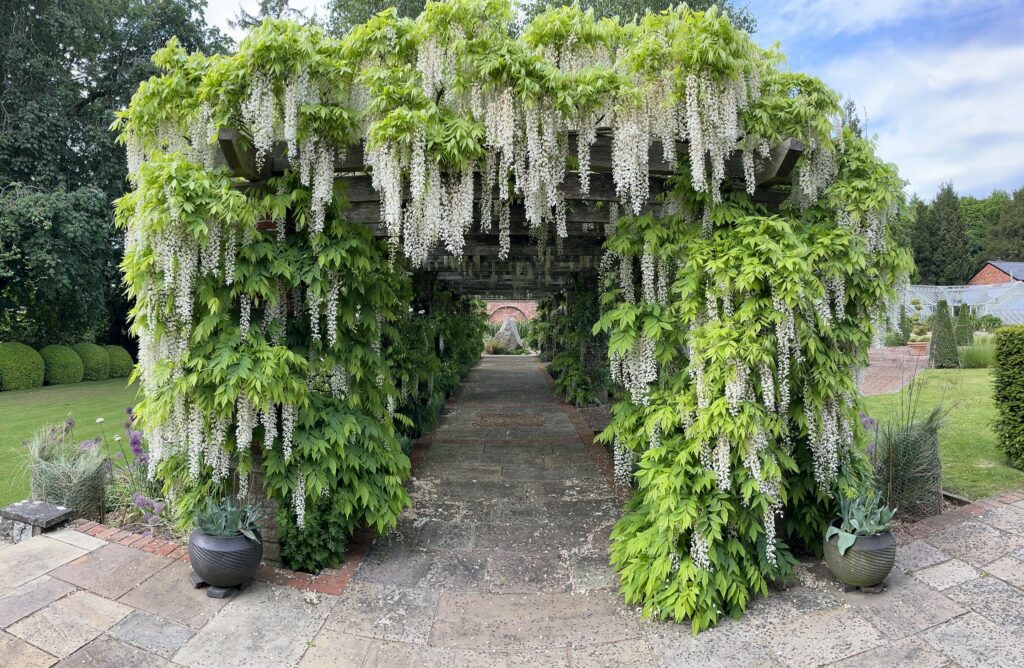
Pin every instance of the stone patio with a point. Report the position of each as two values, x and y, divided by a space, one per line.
502 562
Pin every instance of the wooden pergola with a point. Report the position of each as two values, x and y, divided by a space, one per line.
526 273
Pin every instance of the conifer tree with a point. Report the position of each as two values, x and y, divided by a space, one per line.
943 352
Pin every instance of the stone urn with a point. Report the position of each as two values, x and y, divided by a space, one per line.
866 563
223 562
918 348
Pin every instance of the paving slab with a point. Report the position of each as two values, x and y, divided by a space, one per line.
107 651
633 653
526 573
906 607
976 543
31 558
62 627
971 641
993 598
150 633
1008 569
530 621
77 538
169 595
112 570
469 658
385 613
30 597
947 574
729 644
917 555
331 648
265 625
823 637
907 653
15 652
1006 518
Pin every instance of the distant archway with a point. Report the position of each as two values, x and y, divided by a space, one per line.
500 309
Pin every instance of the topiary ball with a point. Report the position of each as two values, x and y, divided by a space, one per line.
121 362
21 367
62 365
95 359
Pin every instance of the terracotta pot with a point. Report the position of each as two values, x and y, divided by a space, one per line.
919 348
866 563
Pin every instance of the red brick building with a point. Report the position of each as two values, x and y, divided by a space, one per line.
996 271
499 309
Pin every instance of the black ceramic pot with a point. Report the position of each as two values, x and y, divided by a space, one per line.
866 563
224 561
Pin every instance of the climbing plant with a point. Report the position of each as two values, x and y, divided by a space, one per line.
275 334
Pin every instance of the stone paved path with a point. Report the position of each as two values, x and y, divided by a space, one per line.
503 563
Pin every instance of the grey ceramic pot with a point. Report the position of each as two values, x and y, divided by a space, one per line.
866 564
224 561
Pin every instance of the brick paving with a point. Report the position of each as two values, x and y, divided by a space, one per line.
889 369
502 562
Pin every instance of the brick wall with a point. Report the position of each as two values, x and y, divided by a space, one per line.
499 309
989 275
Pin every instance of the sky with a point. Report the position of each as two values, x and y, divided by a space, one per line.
940 83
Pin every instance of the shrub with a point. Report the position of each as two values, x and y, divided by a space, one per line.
62 365
1009 392
67 473
943 349
989 323
121 362
964 326
321 544
21 367
95 359
977 356
894 339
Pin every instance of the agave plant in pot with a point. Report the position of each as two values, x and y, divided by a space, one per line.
225 547
859 546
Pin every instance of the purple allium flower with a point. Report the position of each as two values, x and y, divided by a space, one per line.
87 445
129 411
135 440
867 421
141 501
69 424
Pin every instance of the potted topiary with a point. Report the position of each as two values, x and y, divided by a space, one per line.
859 546
225 547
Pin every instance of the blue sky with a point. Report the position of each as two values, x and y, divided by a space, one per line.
940 82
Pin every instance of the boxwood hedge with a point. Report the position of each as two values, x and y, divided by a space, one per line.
95 359
121 362
62 365
1009 395
21 367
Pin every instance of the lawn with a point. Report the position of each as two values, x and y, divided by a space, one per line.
972 464
22 412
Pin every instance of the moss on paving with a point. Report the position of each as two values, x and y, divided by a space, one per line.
24 411
972 464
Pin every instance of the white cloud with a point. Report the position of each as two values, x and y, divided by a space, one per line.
823 18
942 113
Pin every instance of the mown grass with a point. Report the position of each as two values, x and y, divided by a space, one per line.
972 464
25 411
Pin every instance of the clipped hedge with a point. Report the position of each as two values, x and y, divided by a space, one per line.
121 362
21 367
95 359
1009 395
62 365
